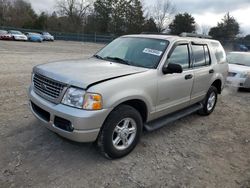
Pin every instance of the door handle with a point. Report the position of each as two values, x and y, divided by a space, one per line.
211 71
188 77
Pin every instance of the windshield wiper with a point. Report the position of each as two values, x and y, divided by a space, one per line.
119 60
97 56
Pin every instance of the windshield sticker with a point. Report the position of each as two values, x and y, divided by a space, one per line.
152 51
163 43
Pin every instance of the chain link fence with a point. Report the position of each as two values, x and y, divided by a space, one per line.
94 37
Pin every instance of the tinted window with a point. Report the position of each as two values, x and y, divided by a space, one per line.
207 55
180 56
199 55
219 52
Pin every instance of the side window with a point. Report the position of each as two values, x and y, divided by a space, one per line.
199 55
219 52
180 56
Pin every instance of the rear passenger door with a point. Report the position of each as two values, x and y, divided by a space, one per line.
203 71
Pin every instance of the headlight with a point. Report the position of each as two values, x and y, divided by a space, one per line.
80 99
74 97
244 74
92 101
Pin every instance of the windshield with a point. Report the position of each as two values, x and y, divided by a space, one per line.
45 33
141 52
16 32
239 58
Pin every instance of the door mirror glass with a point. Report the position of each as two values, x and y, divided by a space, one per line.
172 68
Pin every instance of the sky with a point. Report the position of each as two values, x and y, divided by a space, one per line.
206 12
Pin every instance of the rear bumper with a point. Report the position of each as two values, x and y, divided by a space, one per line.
85 124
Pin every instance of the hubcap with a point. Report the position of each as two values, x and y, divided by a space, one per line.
124 133
211 101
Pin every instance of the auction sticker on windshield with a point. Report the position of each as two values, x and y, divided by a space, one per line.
152 51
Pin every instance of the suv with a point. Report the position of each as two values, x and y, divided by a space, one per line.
136 82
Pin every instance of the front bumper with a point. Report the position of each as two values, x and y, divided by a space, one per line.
238 82
86 124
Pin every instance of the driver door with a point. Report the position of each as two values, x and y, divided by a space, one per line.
174 90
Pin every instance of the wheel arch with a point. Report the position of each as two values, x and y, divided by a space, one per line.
218 84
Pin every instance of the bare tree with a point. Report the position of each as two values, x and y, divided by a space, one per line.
75 10
205 29
162 12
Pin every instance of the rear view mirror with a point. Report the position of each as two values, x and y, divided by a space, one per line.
172 68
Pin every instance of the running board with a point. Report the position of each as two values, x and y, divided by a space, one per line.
161 122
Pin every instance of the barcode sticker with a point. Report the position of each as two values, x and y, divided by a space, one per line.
152 51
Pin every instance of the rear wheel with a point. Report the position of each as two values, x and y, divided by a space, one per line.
121 132
209 102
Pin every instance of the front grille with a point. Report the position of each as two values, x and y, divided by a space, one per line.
47 88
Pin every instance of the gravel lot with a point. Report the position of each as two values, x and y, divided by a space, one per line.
195 151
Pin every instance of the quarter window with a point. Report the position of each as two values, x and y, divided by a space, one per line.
219 52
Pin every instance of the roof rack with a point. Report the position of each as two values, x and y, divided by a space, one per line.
195 35
153 33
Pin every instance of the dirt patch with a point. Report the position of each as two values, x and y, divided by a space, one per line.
195 151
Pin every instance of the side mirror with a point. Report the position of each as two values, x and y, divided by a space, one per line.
172 68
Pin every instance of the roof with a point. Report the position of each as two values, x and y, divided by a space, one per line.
171 38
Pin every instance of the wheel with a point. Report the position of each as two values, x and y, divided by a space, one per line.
120 132
209 102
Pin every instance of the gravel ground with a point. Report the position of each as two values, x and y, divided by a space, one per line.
195 151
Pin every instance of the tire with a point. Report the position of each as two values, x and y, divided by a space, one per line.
115 129
209 102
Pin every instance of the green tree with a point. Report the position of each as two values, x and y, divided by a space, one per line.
41 22
182 23
102 11
150 26
118 16
227 29
134 16
247 37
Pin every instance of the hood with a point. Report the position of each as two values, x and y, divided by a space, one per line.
238 68
82 73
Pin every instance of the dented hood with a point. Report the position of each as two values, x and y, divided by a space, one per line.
83 73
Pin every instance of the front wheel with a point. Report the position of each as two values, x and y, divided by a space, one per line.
209 102
121 132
